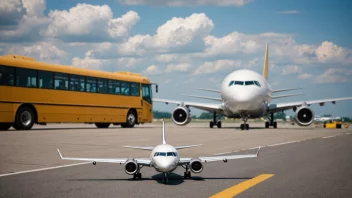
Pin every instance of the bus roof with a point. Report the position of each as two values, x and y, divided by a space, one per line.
31 63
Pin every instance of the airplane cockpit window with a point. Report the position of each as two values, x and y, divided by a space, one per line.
162 154
156 154
249 83
170 154
257 83
231 83
239 82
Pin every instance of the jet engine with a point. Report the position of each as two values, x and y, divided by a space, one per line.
131 166
181 115
304 116
196 165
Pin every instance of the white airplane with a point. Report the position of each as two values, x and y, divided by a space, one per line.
246 94
164 158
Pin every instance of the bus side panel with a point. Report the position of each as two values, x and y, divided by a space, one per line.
60 113
7 112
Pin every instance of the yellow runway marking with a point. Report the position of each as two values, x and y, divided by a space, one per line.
237 189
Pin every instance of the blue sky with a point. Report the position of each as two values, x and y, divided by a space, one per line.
186 46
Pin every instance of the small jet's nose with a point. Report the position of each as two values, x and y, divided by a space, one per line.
164 164
243 97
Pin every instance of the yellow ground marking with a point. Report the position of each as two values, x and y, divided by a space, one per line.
237 189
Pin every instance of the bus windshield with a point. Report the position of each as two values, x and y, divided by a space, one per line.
147 93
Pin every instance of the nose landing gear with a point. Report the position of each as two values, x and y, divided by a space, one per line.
215 121
244 118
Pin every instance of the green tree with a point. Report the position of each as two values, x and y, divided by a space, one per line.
160 114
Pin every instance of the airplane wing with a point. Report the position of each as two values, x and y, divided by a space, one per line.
141 161
219 158
188 146
273 108
140 148
203 106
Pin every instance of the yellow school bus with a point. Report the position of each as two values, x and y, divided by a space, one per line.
33 92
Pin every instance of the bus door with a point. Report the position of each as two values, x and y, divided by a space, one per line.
147 103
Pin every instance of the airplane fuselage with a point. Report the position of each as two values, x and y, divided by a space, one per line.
164 158
245 92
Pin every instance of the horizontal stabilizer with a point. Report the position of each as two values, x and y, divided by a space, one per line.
282 90
140 148
211 90
204 97
188 146
284 96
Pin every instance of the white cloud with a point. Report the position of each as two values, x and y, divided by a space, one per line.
87 62
305 76
333 75
152 70
87 22
11 11
289 12
41 51
175 34
219 65
329 52
186 2
128 62
182 67
291 69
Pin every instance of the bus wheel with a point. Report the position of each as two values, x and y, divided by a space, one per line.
130 120
4 126
102 125
24 118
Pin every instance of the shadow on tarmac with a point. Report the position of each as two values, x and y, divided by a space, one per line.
173 179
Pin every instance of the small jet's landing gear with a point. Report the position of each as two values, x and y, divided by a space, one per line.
244 118
138 174
215 121
165 179
187 173
271 122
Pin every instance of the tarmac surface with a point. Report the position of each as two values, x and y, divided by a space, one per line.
302 162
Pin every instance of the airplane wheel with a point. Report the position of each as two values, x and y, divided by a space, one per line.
242 126
275 125
218 124
266 125
211 124
247 126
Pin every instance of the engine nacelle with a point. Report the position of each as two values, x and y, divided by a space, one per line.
131 166
181 115
304 116
196 165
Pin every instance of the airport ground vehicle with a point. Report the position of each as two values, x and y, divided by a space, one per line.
335 123
36 92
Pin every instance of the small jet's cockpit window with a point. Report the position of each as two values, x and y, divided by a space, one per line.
239 82
162 154
231 83
156 154
249 83
170 154
257 83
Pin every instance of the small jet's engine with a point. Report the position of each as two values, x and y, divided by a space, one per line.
131 167
304 116
181 115
196 165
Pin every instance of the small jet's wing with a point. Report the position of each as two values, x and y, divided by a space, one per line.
284 96
204 97
210 90
289 105
140 148
142 161
219 158
203 106
188 146
282 90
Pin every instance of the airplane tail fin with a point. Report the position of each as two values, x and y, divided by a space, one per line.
164 140
265 70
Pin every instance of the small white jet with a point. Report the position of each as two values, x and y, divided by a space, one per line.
164 158
247 95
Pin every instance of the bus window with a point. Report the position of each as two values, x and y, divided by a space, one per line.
125 88
26 77
45 79
135 89
7 75
61 81
102 87
91 84
113 87
76 83
146 93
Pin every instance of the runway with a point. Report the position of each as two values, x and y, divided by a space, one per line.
304 162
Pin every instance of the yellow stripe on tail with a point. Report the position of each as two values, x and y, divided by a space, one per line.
265 70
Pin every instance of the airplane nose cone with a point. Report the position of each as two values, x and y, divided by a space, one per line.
164 165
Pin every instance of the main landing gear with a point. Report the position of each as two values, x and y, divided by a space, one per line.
271 122
244 118
215 121
187 173
138 174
